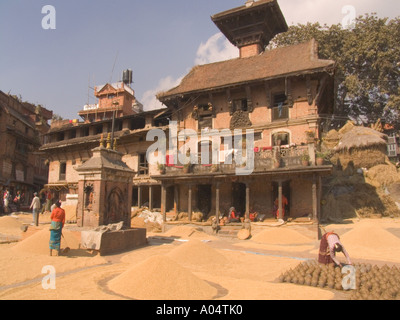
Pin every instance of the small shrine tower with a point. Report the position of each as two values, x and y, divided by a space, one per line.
105 188
251 26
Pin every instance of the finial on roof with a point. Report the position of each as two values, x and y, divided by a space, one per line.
102 140
109 141
249 3
115 144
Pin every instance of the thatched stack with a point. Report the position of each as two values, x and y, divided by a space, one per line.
361 138
358 146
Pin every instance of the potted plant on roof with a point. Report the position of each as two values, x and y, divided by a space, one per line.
186 167
305 159
319 158
161 168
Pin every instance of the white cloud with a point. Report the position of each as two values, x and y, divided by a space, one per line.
216 48
149 99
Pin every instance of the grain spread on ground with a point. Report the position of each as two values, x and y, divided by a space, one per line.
186 232
369 241
38 243
161 278
195 252
10 225
250 271
281 236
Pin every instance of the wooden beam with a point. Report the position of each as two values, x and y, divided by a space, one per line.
150 198
230 103
163 202
268 94
190 202
314 199
249 100
217 200
280 200
176 198
139 196
247 213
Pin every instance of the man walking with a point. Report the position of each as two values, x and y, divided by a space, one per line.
35 206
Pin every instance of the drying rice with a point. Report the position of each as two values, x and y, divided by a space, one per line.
38 243
161 278
186 232
10 225
197 253
281 236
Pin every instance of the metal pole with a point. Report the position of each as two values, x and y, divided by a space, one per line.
112 130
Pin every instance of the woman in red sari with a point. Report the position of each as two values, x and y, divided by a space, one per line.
57 224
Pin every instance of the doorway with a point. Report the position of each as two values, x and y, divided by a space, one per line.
239 197
204 199
286 191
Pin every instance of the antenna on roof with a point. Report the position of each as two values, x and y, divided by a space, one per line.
116 57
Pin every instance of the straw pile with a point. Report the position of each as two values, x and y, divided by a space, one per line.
281 236
195 252
38 243
161 278
361 137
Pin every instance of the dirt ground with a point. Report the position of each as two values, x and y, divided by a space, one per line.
182 265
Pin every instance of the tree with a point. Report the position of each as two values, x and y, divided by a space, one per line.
56 117
368 68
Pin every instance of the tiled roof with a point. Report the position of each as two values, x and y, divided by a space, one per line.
292 60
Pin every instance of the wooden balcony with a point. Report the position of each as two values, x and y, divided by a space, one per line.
265 159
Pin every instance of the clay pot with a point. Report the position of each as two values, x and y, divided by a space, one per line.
314 283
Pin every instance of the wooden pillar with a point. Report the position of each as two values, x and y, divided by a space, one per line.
319 197
280 200
217 201
176 198
163 202
190 202
314 199
139 197
150 198
247 213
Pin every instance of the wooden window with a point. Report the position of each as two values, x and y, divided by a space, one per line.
63 171
280 139
240 105
280 109
205 116
85 131
72 134
143 169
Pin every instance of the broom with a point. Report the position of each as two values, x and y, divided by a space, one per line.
67 249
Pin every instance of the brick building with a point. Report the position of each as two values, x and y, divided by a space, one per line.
118 114
22 128
281 94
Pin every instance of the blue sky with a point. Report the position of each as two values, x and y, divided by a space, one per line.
159 40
